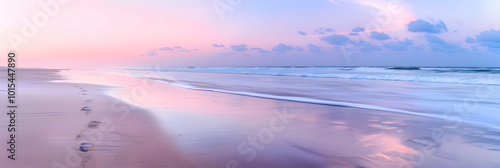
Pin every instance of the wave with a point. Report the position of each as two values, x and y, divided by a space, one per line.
410 78
464 70
324 102
296 99
404 68
410 74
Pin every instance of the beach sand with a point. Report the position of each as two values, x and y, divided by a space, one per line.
51 125
152 124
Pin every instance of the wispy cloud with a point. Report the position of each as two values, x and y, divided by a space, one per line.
315 49
166 49
152 53
218 46
261 50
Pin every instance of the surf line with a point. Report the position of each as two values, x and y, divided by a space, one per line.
299 99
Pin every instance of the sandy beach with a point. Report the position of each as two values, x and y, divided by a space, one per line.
51 126
144 123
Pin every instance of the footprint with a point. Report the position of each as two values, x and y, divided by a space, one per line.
94 124
86 147
86 108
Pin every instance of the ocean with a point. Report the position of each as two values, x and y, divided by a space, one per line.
345 116
430 91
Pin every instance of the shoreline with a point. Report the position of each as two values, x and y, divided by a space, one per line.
146 123
381 138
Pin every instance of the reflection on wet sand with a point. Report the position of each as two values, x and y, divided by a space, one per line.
218 130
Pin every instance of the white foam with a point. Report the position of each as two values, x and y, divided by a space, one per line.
366 73
300 99
324 102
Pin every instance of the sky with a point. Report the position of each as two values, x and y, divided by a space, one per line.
181 33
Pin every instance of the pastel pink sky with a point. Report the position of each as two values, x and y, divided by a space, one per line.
102 34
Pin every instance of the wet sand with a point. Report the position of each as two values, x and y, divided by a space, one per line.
51 125
169 126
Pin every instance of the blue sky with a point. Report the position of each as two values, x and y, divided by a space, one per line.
258 33
395 33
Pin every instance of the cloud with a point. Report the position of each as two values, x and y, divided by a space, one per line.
299 48
315 49
218 46
439 45
489 39
379 35
282 48
365 46
166 49
241 47
176 48
423 26
353 34
336 39
358 29
260 50
302 33
322 31
470 40
398 45
153 53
